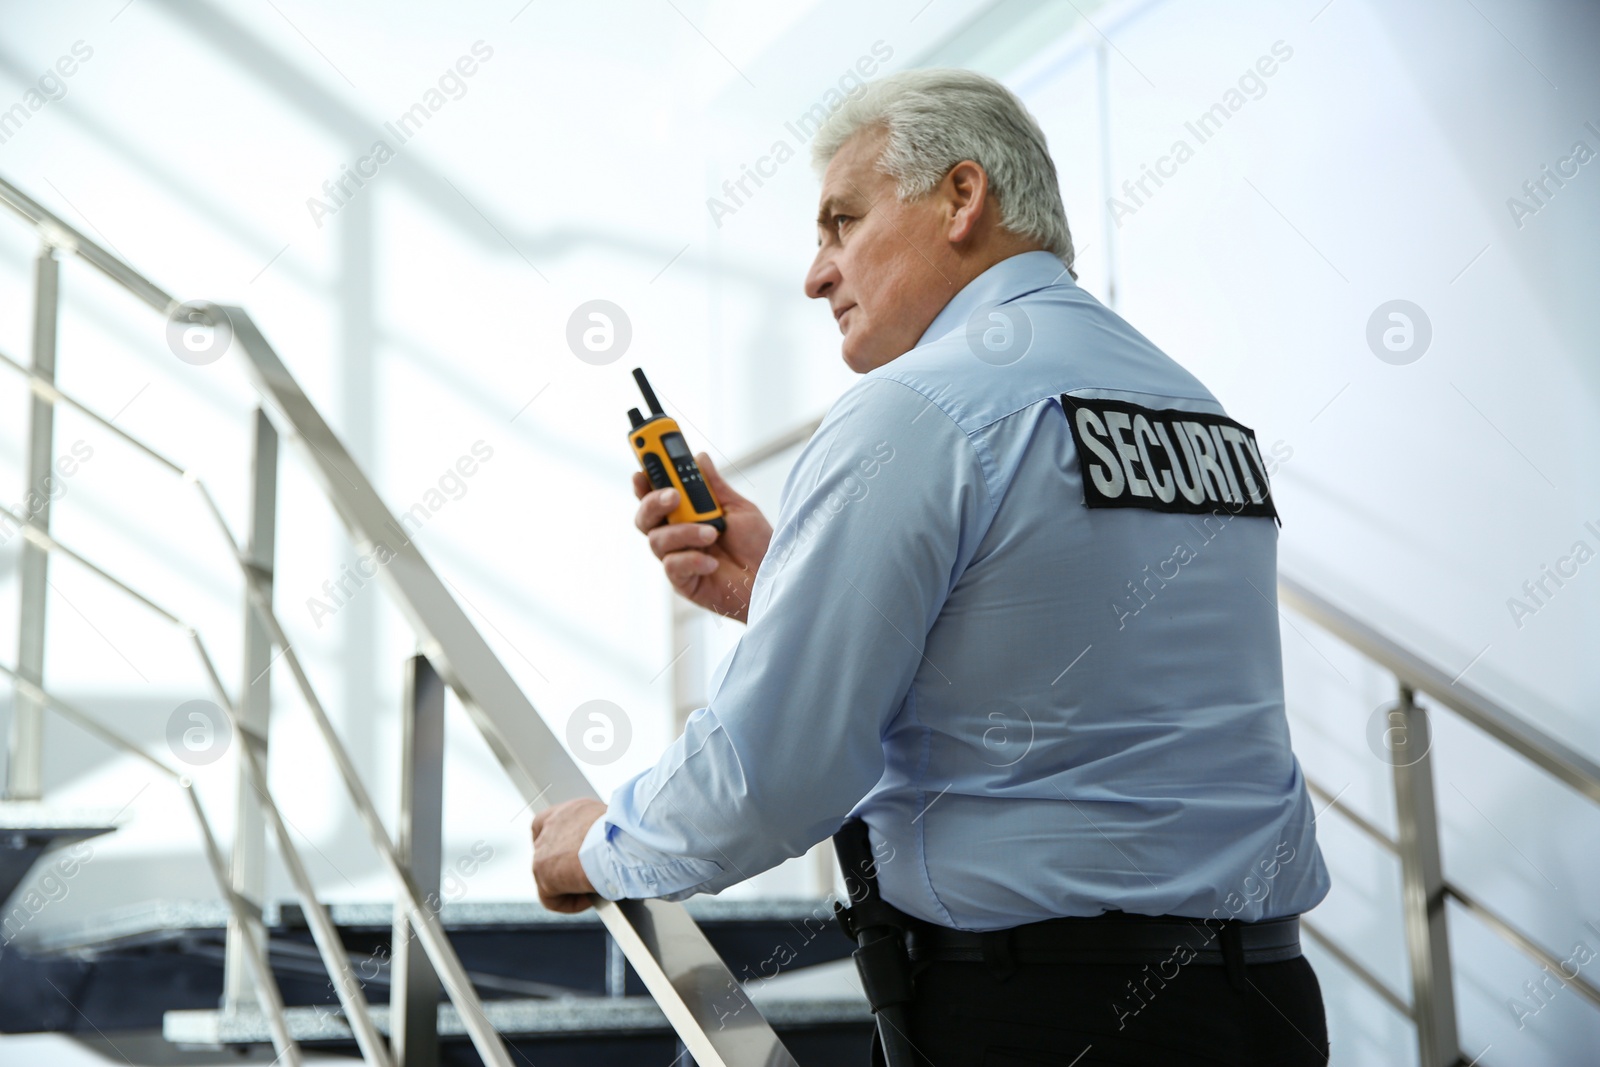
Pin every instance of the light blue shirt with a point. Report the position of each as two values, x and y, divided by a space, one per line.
1041 708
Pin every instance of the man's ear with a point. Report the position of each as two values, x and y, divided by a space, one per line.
966 190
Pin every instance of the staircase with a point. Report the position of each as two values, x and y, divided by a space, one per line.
554 986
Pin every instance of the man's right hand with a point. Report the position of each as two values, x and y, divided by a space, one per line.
715 569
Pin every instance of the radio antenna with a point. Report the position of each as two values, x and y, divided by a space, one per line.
649 393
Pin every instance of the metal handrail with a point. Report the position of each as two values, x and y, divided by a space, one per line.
59 234
669 952
1425 890
1331 802
1357 968
324 933
47 390
283 1041
1548 753
777 446
1503 927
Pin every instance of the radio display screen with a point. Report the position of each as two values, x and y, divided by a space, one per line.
675 446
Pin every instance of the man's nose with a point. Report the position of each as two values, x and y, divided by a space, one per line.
822 276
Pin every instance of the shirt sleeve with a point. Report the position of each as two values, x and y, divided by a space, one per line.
878 519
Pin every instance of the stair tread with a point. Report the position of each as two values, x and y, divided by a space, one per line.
154 919
40 815
574 1015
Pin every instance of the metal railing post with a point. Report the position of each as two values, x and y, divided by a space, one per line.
1423 886
255 713
616 969
24 771
414 986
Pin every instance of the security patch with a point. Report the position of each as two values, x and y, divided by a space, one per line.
1166 460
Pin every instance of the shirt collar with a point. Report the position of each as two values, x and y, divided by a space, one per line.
1008 279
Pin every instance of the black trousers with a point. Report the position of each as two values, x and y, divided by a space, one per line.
1084 1015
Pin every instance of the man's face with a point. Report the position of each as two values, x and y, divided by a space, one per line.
882 265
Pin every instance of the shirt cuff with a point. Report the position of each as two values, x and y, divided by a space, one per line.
619 872
594 855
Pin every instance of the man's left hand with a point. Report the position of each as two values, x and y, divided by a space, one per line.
557 834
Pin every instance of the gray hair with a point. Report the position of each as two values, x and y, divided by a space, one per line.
936 118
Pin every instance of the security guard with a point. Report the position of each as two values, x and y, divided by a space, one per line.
1018 615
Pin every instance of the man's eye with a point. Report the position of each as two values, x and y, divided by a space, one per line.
839 221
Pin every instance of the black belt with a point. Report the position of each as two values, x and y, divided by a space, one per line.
1115 937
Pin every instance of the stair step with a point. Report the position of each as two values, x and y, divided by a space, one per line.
30 830
818 1011
574 1017
128 969
25 814
158 920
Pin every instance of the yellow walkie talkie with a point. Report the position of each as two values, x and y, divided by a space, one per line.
668 463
